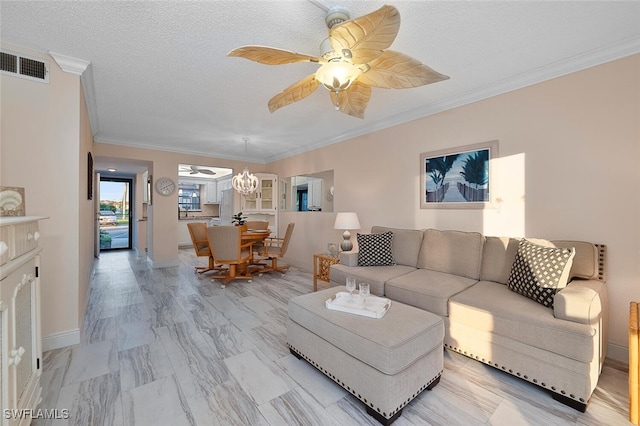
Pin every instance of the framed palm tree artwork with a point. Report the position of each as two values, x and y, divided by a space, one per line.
457 178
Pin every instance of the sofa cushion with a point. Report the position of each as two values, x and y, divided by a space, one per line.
375 249
406 244
453 252
426 289
492 307
538 271
585 262
498 255
375 276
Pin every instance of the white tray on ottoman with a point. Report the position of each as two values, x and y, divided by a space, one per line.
374 307
384 362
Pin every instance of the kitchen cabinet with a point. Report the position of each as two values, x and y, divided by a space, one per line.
20 332
262 205
211 193
263 199
210 190
184 237
314 194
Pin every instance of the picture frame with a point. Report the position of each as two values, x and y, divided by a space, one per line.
458 178
12 202
89 176
333 249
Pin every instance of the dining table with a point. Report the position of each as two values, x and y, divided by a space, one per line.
257 236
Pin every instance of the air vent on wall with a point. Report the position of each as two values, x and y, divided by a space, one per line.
24 66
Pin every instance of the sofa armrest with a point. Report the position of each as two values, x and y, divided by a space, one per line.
349 258
582 301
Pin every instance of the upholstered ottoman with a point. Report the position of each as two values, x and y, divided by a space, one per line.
384 362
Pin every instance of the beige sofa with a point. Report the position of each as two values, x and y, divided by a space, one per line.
463 276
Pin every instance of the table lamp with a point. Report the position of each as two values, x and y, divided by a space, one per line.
347 221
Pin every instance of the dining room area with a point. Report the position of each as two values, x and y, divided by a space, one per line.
238 251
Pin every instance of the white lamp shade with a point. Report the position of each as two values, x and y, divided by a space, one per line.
337 75
346 220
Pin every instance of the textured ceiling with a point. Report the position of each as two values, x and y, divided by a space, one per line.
159 76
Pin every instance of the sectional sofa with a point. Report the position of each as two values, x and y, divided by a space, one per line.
497 304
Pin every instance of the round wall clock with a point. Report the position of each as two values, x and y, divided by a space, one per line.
165 186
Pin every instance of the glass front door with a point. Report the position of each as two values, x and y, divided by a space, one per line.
115 213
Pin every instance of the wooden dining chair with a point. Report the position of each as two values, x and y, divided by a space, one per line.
276 248
225 243
198 233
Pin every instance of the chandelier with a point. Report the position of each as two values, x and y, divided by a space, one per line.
245 183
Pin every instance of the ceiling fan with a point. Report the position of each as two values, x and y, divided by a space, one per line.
194 170
353 59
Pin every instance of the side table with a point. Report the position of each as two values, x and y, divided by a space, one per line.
321 267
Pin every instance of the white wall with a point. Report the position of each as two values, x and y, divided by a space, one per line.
45 138
568 169
86 213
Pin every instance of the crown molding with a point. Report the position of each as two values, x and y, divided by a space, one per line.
88 89
70 64
85 71
144 145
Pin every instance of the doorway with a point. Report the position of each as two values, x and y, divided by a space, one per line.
115 213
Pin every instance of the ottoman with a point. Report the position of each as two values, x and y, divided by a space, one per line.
384 362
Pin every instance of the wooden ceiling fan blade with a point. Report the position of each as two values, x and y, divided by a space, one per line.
395 70
366 37
294 93
271 55
354 100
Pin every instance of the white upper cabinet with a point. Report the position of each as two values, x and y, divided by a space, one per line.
263 200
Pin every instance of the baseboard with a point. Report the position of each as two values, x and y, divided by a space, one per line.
618 353
61 340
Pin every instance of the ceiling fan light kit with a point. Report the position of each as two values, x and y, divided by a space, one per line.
337 75
353 59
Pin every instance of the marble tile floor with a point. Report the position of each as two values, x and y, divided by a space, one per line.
170 347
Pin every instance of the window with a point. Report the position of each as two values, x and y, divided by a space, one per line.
189 196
